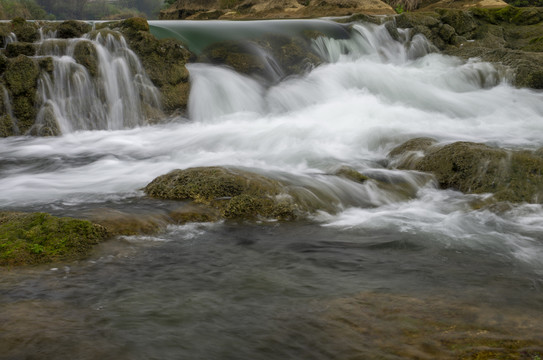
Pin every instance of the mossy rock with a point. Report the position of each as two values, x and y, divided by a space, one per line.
235 193
72 29
21 75
510 15
463 22
24 30
135 24
86 55
7 127
20 48
36 238
514 176
412 19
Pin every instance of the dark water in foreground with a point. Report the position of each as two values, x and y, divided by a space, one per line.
271 291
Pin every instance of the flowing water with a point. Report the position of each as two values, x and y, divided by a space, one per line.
381 272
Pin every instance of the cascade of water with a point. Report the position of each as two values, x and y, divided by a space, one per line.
9 38
110 93
374 41
8 109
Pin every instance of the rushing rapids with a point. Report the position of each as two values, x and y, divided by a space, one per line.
374 271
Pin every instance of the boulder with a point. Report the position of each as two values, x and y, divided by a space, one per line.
235 193
514 176
72 29
36 238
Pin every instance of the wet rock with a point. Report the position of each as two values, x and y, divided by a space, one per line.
21 76
514 176
122 223
85 54
272 57
406 155
164 61
349 173
72 29
35 238
236 194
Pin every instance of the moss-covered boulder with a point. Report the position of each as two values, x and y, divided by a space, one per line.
24 30
406 155
514 176
36 238
72 29
235 193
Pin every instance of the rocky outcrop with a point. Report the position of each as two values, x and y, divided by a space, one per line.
514 176
267 9
37 238
509 36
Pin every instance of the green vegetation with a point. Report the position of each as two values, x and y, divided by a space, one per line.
35 238
79 9
403 5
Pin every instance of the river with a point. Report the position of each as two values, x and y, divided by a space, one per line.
378 273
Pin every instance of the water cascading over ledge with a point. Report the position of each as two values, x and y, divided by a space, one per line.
110 93
56 83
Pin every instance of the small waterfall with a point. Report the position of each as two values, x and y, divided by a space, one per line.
9 38
374 41
97 83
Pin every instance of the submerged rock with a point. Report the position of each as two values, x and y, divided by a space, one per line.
271 57
349 173
36 238
514 176
237 194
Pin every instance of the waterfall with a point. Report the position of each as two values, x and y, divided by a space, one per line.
111 92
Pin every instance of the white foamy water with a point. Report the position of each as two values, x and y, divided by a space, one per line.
351 111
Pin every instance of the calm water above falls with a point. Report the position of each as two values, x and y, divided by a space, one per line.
378 275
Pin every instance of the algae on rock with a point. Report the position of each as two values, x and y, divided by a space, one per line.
36 238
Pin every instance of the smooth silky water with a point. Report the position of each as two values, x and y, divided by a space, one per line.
393 272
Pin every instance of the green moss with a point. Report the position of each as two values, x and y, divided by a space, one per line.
20 48
135 24
72 29
477 168
34 238
85 54
235 193
510 15
6 126
24 30
462 21
21 75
